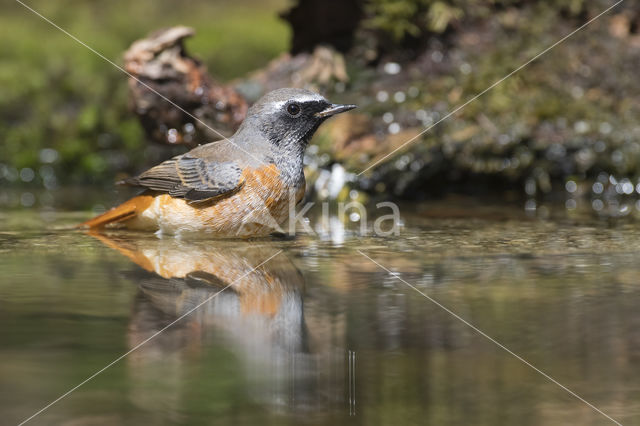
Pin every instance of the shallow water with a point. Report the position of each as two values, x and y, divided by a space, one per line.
319 334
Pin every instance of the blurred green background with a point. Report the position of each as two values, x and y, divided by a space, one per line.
57 95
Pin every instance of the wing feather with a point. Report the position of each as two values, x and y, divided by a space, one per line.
191 178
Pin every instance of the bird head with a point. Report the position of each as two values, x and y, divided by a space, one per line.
290 117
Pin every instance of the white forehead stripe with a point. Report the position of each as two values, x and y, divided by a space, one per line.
310 97
303 98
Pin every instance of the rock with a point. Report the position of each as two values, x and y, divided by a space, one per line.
161 62
320 71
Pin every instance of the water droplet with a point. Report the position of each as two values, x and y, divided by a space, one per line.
354 217
605 128
597 205
27 174
600 146
413 91
617 156
571 204
577 92
387 117
571 186
619 188
402 162
337 180
465 68
530 187
27 199
399 97
392 68
48 155
581 127
172 136
422 115
394 128
437 56
598 188
382 96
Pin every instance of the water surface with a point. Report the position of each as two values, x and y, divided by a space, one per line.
319 334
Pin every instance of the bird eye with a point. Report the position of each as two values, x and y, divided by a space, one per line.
293 109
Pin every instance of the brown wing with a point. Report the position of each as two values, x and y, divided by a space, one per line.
191 178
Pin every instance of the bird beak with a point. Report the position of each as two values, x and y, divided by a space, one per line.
334 109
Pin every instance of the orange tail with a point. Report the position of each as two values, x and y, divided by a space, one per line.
125 211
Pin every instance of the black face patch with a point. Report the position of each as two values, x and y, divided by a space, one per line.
306 109
294 122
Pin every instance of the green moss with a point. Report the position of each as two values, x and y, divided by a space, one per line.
418 18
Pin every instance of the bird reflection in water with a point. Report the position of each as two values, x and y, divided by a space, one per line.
249 340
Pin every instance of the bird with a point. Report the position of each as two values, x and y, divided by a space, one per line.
240 187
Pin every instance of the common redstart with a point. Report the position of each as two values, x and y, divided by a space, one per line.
237 187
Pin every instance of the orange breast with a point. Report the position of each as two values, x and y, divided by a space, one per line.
258 208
